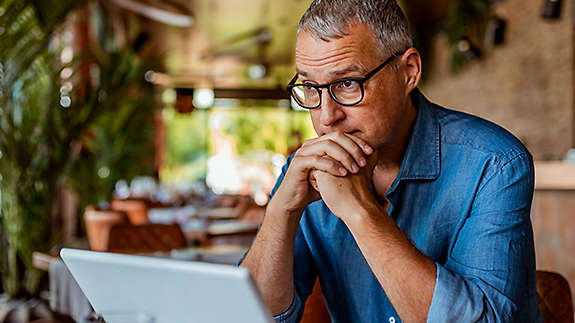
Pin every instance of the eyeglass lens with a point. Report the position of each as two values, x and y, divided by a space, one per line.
347 92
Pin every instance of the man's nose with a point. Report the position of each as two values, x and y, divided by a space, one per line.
330 111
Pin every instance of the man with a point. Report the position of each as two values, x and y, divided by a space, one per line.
402 209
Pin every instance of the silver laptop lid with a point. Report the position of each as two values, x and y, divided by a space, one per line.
168 290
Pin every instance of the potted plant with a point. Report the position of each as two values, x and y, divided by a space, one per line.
42 120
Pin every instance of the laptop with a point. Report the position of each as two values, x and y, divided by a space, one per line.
170 291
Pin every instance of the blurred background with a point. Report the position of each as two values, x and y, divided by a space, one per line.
159 113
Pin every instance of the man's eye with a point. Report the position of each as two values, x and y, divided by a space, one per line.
348 84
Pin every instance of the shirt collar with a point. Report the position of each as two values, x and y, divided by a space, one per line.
422 159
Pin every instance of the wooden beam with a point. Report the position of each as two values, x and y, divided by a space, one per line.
269 94
554 175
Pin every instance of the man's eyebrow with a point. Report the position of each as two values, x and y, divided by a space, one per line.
301 73
335 74
345 71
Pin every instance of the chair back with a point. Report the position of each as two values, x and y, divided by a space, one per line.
145 238
98 224
136 210
554 297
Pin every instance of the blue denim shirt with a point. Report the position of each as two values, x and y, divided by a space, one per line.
463 196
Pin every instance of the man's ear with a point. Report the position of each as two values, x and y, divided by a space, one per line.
411 67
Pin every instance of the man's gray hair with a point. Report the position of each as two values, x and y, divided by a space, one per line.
326 19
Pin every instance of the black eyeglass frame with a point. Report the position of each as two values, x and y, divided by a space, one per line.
359 80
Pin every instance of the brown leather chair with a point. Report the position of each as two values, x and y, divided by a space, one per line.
554 297
98 225
136 210
315 310
145 238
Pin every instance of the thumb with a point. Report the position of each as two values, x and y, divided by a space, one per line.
312 181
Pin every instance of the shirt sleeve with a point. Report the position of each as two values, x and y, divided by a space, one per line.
305 273
489 274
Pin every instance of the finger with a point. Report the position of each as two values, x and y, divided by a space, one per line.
350 146
329 148
365 147
313 181
326 164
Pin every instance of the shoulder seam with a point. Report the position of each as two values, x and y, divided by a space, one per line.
500 166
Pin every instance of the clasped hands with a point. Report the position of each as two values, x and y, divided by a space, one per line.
337 167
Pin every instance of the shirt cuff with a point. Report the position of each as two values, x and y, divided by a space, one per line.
239 262
454 299
291 314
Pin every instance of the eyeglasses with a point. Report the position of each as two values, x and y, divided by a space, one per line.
347 91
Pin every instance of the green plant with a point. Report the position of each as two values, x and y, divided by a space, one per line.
459 19
38 132
187 145
32 142
257 129
118 146
465 19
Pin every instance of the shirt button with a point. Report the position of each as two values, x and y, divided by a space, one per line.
391 319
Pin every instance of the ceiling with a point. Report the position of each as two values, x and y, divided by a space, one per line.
229 36
226 38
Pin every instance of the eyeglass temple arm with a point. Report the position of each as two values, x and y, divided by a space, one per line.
377 69
293 80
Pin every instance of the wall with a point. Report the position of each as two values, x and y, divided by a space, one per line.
525 85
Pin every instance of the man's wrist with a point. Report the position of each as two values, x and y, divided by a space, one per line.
277 208
364 212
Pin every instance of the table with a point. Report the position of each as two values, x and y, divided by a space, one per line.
221 232
185 213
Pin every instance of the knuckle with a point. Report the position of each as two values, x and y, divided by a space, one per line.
297 157
339 137
330 141
328 164
357 150
323 162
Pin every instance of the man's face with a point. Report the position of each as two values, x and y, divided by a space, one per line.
377 116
